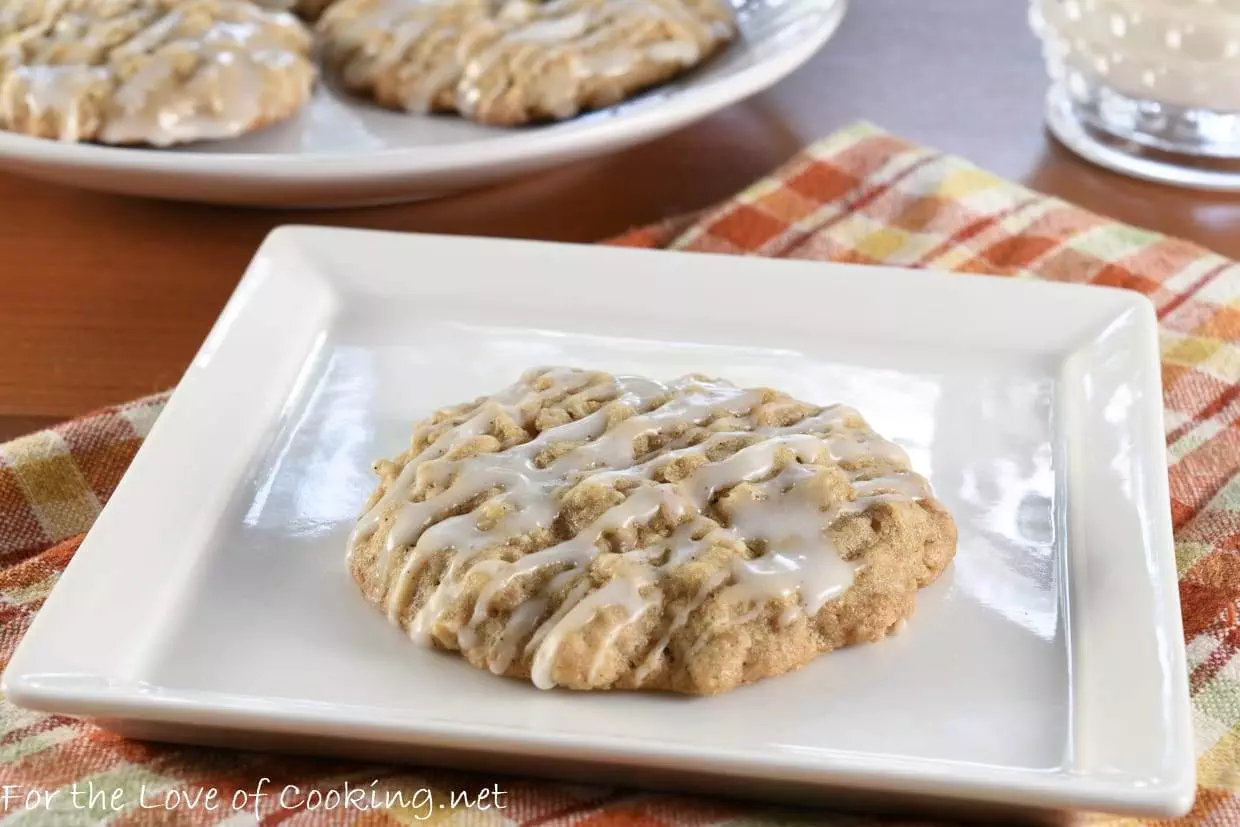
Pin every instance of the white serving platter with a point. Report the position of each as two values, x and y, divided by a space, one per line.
344 151
1045 670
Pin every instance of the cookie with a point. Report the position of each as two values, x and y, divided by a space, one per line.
597 532
157 72
517 62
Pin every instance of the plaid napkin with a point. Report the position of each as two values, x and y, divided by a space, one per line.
859 196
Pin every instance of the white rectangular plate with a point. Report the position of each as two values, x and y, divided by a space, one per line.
1045 669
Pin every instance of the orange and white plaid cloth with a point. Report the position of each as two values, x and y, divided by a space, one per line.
859 196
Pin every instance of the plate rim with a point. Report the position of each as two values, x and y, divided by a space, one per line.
105 695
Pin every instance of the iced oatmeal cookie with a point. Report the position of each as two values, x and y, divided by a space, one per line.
600 532
510 62
157 72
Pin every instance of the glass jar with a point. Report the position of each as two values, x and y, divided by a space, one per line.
1160 75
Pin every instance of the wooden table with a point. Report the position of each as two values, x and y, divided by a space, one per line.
103 299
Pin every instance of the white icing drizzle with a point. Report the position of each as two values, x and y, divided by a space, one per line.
524 621
679 619
789 616
800 556
621 591
768 494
